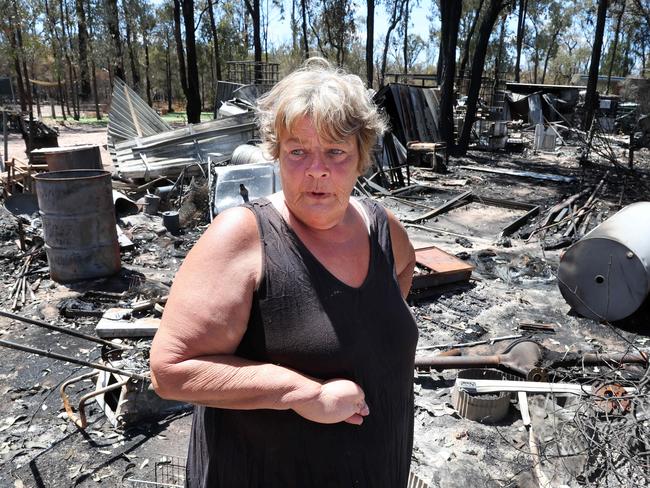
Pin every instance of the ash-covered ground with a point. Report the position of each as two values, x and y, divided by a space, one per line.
514 283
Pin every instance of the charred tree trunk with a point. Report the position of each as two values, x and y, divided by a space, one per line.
193 88
112 23
396 17
521 27
180 51
168 78
468 41
130 39
17 68
215 41
82 38
93 68
147 68
617 32
305 40
450 13
478 64
591 98
406 36
370 41
66 41
254 11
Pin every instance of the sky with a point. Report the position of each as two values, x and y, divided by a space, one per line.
280 31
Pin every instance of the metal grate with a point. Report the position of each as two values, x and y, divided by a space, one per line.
168 471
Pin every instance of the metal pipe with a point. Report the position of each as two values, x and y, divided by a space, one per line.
63 330
61 357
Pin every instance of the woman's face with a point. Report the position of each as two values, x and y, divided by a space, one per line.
317 175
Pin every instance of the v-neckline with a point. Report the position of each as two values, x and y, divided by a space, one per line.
294 235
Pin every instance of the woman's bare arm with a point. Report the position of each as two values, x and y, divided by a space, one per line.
205 318
403 254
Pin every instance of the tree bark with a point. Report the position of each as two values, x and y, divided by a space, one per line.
450 13
617 32
551 47
215 41
16 59
406 36
591 98
180 51
193 88
305 40
147 67
93 68
478 64
466 45
112 23
130 39
82 42
521 27
370 41
254 11
396 17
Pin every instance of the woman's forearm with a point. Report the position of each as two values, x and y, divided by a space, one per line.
231 382
228 381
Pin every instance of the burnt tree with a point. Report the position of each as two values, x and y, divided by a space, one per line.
254 11
370 40
591 98
450 12
468 40
521 25
494 8
189 73
113 23
82 44
215 41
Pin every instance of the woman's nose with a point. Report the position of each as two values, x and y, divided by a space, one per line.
317 167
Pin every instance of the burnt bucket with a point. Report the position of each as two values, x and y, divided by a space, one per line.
78 215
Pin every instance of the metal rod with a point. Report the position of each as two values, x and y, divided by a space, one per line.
63 330
474 343
54 355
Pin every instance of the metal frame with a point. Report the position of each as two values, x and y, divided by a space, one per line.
469 197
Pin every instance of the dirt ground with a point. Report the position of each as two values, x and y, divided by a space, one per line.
514 282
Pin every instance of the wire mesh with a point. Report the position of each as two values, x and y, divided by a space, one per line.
167 471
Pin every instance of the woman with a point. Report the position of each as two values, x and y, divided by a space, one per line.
286 324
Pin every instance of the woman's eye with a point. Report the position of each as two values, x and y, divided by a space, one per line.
336 152
297 152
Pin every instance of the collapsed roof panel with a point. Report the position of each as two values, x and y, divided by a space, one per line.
413 112
130 116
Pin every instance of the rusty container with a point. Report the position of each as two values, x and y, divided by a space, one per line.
71 157
78 214
606 274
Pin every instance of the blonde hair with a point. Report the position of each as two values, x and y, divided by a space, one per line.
336 102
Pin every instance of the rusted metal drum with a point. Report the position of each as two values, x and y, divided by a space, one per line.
606 274
78 215
71 157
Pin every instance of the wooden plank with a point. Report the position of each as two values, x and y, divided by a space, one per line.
145 327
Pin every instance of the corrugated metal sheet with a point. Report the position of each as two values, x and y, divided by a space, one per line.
168 153
142 145
414 112
130 116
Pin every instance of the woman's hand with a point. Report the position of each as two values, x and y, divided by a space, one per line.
338 401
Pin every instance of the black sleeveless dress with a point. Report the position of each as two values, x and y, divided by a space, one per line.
306 319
